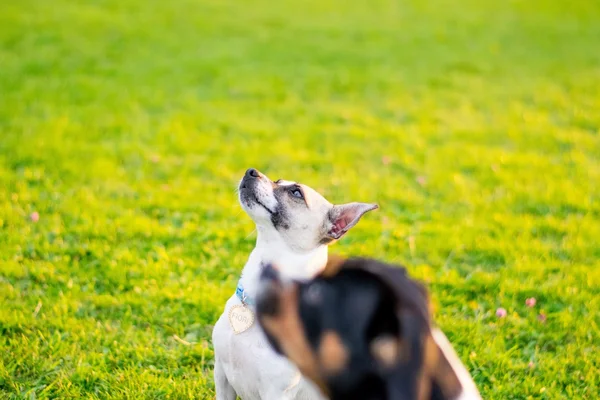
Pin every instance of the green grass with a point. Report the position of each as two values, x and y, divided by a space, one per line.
127 124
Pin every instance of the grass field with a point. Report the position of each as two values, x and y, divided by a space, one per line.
125 125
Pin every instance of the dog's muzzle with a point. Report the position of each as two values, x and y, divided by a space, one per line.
248 186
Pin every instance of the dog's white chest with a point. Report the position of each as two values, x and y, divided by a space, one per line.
252 367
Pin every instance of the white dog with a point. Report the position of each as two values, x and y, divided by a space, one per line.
295 224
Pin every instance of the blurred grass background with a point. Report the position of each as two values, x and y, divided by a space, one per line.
125 125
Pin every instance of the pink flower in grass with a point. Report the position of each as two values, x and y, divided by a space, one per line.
501 312
542 318
35 216
421 180
530 302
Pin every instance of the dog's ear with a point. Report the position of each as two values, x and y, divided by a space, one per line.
343 217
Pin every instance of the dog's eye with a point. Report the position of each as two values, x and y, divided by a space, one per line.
297 193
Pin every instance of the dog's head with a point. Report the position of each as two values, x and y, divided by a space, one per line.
360 330
298 214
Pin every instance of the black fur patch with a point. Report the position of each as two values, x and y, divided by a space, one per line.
280 217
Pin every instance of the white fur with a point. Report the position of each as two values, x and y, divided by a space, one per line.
245 364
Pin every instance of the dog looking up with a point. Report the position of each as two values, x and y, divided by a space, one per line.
362 330
295 224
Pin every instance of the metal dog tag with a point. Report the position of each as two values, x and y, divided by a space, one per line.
240 318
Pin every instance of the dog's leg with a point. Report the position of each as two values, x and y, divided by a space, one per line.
223 389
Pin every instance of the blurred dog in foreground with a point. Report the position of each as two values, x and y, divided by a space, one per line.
295 224
362 330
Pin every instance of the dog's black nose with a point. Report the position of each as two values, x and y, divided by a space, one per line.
252 173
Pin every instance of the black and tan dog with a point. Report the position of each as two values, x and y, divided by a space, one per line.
362 330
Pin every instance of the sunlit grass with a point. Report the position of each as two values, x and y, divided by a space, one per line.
126 126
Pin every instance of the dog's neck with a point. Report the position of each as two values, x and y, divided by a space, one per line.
292 264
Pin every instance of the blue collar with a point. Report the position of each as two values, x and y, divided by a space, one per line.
241 294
